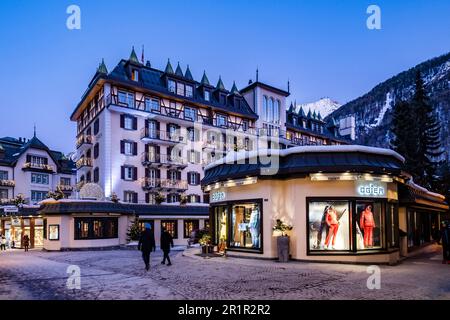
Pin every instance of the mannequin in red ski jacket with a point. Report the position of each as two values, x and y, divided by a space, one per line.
367 223
333 225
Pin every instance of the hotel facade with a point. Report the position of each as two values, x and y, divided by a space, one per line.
30 170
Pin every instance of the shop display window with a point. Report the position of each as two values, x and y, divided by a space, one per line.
171 226
189 226
246 226
351 225
53 232
329 225
369 225
96 228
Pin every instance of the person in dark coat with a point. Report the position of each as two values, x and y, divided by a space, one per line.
445 234
26 242
166 243
147 244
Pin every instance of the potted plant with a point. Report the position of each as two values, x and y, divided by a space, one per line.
159 198
279 230
114 198
205 242
183 199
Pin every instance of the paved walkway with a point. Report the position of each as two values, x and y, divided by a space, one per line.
119 274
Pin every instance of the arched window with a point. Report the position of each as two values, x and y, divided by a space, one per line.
270 111
264 110
276 111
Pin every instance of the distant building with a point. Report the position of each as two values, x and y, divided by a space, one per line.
28 167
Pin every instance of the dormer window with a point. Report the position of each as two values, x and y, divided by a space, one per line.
223 99
221 120
135 75
171 86
180 89
207 95
189 91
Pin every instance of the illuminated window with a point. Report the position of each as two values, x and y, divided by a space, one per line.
171 226
189 226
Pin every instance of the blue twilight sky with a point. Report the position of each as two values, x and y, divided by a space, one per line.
323 47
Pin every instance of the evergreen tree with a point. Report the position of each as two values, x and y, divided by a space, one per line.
403 128
428 149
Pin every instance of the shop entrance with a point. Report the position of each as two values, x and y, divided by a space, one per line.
15 229
221 227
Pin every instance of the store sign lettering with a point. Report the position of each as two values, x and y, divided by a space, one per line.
218 196
371 190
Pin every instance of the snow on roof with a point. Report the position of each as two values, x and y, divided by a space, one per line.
425 190
233 157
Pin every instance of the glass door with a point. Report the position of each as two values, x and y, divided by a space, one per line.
221 227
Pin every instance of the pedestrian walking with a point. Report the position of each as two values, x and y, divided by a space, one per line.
166 243
26 242
445 238
147 244
3 243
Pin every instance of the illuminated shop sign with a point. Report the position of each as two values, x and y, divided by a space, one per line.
232 183
371 189
218 196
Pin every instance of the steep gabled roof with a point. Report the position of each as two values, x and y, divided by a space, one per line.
188 74
169 69
179 72
205 80
220 85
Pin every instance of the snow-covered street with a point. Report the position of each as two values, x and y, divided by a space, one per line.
119 274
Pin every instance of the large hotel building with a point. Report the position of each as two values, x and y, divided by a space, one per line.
144 133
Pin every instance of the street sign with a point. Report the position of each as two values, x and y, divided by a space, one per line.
10 209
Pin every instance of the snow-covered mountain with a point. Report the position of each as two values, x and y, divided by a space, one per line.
373 111
325 106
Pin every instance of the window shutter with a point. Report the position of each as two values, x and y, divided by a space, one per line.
122 172
147 197
158 150
122 121
179 175
28 158
146 172
189 177
46 160
135 120
157 129
178 197
206 198
197 198
122 146
158 174
198 178
135 171
135 197
135 148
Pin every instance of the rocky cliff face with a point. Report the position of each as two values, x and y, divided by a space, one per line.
373 111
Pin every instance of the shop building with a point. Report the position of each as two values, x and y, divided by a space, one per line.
16 222
342 201
78 224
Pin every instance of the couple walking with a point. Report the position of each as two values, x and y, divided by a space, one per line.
147 245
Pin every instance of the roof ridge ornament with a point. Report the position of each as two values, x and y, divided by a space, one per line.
133 56
169 69
220 85
205 80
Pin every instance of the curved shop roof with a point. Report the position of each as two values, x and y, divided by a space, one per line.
299 161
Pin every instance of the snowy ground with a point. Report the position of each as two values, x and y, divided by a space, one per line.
119 274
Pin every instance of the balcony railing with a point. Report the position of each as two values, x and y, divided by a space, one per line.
162 159
38 166
7 183
147 133
65 187
150 183
84 162
84 139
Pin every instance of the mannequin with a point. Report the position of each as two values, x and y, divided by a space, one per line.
254 227
367 224
333 225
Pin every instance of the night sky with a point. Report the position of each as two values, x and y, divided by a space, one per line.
323 47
